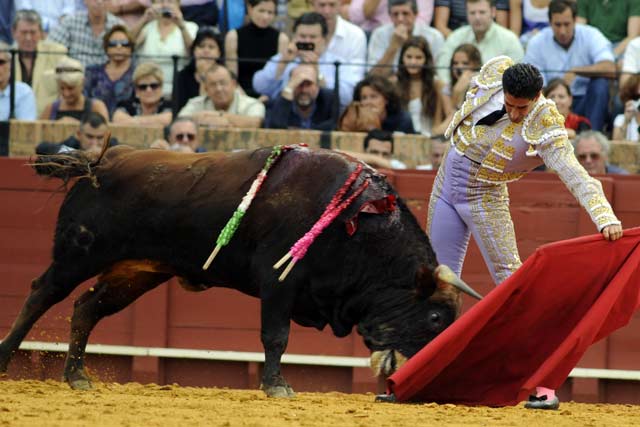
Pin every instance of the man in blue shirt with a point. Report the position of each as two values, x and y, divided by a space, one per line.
309 44
302 104
25 101
580 55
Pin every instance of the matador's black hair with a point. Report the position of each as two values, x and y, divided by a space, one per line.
522 81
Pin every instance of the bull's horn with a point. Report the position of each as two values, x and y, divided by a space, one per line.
444 274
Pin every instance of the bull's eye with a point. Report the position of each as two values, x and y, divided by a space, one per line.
434 317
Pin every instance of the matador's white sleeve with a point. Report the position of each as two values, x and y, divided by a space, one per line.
557 153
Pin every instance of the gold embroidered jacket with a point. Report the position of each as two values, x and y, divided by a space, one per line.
507 151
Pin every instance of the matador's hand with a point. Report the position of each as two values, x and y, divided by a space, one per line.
612 232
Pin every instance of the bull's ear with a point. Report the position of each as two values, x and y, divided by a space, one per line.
425 282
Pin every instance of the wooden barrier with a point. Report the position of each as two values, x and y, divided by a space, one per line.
411 149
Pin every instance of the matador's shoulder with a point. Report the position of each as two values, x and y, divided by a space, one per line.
544 123
490 75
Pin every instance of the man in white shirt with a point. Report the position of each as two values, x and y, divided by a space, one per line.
309 44
224 105
346 40
490 38
387 40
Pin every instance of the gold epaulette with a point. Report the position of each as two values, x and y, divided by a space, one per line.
489 80
544 123
490 74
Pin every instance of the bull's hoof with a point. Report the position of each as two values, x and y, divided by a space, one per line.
81 384
279 391
78 380
277 387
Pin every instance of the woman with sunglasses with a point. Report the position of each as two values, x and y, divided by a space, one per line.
147 107
71 104
112 82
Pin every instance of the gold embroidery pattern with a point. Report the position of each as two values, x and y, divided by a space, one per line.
494 177
492 220
543 123
502 150
490 74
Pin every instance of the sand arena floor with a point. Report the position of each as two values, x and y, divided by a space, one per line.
51 403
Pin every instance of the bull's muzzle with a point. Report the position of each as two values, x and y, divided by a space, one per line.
386 362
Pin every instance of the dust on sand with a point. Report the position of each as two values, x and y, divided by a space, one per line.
51 403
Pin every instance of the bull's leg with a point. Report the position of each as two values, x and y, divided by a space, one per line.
104 299
49 289
276 304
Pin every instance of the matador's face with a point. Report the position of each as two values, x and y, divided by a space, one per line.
518 108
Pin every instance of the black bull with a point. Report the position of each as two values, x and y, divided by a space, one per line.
135 219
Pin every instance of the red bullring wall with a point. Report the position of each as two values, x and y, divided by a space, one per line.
221 319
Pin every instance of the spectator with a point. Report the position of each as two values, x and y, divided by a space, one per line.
450 15
625 126
202 12
357 118
147 106
465 64
163 33
630 61
378 150
386 41
71 104
205 51
309 31
378 94
130 11
51 12
90 136
592 149
490 38
346 40
527 17
224 105
370 14
25 102
580 55
181 136
302 104
6 18
112 82
82 33
437 149
254 40
618 21
421 92
37 58
232 17
559 92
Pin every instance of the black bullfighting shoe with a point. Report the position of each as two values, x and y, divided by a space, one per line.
541 402
386 398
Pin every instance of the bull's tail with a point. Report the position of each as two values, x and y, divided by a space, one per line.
72 164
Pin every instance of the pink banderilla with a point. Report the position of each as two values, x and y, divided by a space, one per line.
333 209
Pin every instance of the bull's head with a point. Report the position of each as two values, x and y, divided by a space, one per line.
411 325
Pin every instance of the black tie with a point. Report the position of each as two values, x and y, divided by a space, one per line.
493 117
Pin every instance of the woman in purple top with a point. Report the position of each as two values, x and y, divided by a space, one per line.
111 82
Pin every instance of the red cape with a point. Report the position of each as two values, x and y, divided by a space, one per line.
532 329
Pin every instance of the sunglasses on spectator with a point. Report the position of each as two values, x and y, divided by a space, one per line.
188 136
3 61
145 86
585 156
115 43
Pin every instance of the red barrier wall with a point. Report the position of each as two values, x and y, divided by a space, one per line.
543 211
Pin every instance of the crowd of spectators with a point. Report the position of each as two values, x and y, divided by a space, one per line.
393 65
